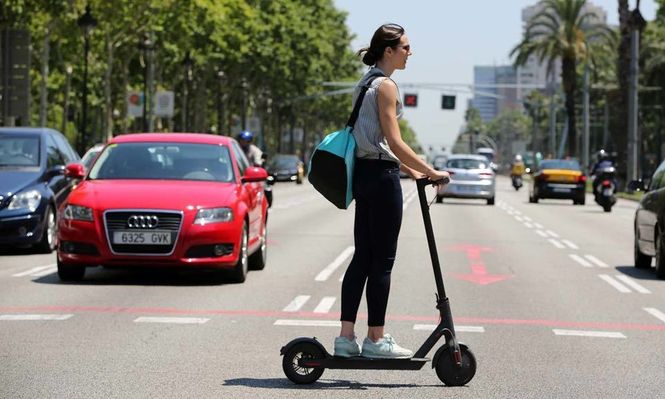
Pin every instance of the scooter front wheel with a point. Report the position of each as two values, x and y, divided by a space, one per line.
297 373
449 372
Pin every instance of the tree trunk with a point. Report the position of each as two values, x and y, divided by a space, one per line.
43 100
108 103
569 77
620 132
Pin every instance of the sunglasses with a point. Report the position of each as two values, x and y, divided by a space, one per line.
406 47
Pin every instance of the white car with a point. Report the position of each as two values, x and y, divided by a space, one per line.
470 177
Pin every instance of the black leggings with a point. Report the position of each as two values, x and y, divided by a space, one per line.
378 194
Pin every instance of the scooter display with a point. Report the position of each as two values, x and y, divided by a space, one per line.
305 359
605 188
517 181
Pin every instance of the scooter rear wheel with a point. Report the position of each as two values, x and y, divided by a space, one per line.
449 373
297 373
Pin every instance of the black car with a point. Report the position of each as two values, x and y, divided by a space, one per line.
285 167
32 185
649 219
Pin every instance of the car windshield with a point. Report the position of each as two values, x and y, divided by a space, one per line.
466 163
19 151
284 162
560 164
167 161
90 156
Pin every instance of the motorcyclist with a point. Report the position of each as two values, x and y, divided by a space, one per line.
517 167
253 153
603 161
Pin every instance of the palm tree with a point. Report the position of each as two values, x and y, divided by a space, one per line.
563 29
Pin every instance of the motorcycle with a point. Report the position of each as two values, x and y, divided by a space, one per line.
517 181
605 188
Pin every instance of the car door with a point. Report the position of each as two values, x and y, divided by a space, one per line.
252 193
651 204
69 156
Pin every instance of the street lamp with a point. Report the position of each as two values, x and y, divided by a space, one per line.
187 63
65 107
86 22
220 97
147 45
244 86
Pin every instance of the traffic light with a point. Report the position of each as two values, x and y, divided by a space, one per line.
410 100
447 102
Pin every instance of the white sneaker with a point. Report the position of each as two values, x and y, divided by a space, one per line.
384 348
345 347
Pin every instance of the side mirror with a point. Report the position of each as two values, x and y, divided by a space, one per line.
635 185
55 171
75 171
254 174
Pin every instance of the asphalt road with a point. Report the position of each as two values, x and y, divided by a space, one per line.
544 294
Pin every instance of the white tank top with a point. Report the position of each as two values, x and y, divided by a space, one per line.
370 141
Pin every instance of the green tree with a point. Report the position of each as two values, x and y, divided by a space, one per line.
563 30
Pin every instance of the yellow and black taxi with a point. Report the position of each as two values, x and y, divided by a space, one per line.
559 179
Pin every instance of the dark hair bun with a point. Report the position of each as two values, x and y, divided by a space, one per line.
369 58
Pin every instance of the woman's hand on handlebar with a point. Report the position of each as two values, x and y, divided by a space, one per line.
439 177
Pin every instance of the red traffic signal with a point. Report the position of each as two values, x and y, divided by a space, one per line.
410 100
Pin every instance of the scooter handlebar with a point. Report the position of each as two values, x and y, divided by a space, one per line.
426 181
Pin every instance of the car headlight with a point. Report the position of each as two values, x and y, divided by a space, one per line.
27 200
213 215
76 212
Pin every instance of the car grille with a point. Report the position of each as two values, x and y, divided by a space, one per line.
118 221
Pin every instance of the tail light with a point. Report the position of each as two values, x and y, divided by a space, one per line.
581 179
606 183
542 177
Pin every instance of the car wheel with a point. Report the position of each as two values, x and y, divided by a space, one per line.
257 260
70 272
490 201
239 272
49 236
660 257
642 261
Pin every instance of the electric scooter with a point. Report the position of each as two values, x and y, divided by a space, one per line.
305 359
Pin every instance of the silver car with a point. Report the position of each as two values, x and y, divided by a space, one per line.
470 177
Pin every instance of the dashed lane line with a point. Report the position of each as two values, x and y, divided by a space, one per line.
553 234
556 243
596 261
617 285
570 244
34 317
325 305
172 320
656 313
297 303
541 233
593 334
31 272
580 260
528 225
633 284
330 269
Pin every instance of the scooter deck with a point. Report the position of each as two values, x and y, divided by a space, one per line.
363 363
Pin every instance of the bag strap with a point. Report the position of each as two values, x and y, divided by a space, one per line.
359 101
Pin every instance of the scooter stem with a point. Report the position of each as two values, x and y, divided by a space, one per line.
424 207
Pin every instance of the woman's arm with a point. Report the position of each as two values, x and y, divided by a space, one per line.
387 103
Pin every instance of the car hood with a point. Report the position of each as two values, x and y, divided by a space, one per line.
13 181
149 194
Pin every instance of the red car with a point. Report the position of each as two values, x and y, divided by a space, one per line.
174 199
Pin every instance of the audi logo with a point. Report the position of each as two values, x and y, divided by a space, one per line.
142 221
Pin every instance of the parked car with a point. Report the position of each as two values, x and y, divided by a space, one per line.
649 223
89 157
286 167
470 177
33 185
180 200
559 179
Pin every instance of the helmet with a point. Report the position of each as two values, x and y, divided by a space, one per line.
518 158
246 135
602 155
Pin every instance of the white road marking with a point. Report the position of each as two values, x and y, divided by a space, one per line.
538 225
570 244
431 327
325 305
308 323
528 225
580 260
517 212
617 285
541 233
594 334
296 303
172 320
553 234
412 195
33 270
330 269
633 284
519 218
46 272
556 243
32 317
596 261
656 313
528 219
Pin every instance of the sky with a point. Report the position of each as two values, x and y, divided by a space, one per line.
447 39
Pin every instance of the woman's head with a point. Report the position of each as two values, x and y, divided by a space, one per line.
389 45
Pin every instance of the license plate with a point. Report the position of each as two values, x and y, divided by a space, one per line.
561 190
467 189
607 191
142 237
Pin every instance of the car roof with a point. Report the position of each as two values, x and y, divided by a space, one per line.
468 156
29 130
197 138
